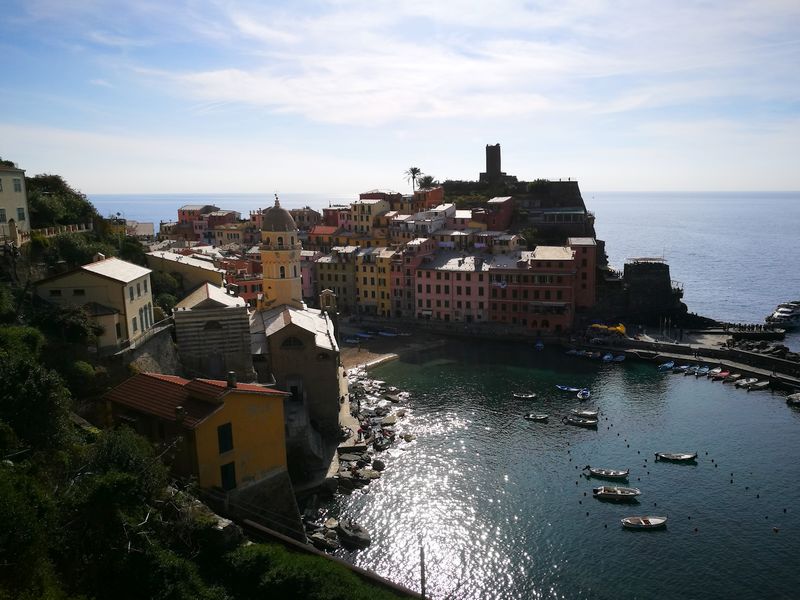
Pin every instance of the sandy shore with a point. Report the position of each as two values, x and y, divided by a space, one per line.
386 348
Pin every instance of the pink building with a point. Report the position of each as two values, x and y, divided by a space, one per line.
308 274
496 214
452 286
534 289
402 280
585 249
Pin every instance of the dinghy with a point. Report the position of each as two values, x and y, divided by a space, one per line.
701 372
585 414
528 396
714 372
677 456
647 522
619 358
606 473
721 375
680 369
747 382
584 394
608 357
692 370
733 377
793 399
537 418
667 366
566 388
619 494
759 385
579 422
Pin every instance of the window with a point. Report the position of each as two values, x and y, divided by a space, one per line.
55 293
138 289
2 210
225 438
130 293
78 292
135 326
1 185
17 185
20 214
283 272
227 474
291 342
119 330
145 286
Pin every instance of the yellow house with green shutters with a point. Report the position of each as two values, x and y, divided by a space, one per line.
228 435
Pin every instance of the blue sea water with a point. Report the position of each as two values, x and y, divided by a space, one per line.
501 510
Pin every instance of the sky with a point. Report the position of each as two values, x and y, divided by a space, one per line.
341 96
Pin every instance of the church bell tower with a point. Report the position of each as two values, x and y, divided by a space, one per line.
280 259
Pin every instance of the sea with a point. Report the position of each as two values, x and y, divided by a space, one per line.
497 504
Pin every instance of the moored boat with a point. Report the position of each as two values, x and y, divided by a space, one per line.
793 399
571 352
584 394
714 372
692 370
579 421
619 358
535 417
676 456
566 388
680 369
539 346
759 385
747 382
667 366
619 494
607 473
647 522
585 414
721 375
353 534
608 357
732 378
525 396
786 315
702 372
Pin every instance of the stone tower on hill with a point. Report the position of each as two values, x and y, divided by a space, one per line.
280 258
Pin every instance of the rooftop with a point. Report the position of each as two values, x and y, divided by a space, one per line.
499 200
581 241
160 395
116 269
265 323
211 294
186 260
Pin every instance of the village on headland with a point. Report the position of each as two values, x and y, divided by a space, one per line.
241 347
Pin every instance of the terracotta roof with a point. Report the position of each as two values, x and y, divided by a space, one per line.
323 230
159 395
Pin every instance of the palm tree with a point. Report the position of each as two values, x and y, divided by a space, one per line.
412 175
426 181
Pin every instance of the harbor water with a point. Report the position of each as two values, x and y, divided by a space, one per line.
500 507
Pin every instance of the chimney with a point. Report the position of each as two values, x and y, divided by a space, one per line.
180 414
231 379
98 257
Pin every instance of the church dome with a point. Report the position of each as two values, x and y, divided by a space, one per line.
276 218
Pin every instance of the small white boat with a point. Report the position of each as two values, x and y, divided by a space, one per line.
608 357
714 372
647 522
786 315
579 422
529 396
680 369
607 473
619 494
537 418
677 456
793 399
745 383
584 394
732 378
585 414
667 366
701 372
759 385
567 388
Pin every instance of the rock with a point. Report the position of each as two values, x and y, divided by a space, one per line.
378 464
349 457
369 474
331 523
390 420
409 437
401 412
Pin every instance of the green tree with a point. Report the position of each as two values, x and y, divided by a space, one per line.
426 182
22 341
412 174
34 402
53 201
164 283
167 302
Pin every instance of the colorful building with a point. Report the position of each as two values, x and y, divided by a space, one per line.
452 286
586 251
404 265
337 272
117 295
14 214
308 274
533 289
226 434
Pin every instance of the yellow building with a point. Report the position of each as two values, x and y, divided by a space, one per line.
280 258
227 434
364 213
337 272
117 295
13 202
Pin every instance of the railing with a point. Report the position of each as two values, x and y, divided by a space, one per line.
23 237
